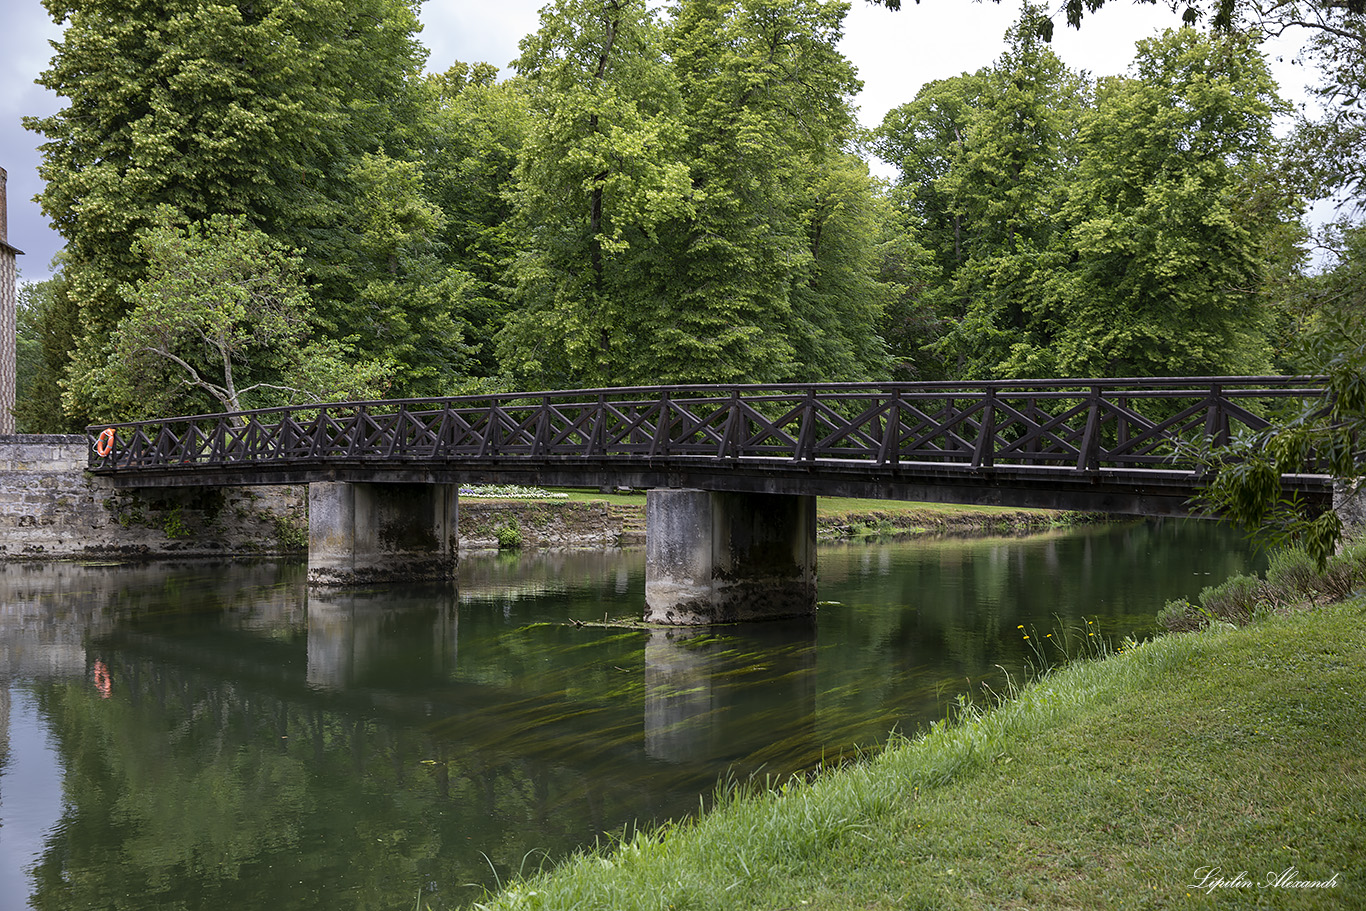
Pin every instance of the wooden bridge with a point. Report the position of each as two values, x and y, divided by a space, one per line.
1109 445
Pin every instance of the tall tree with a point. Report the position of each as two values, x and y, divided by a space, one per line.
219 323
1325 433
250 107
1006 188
406 300
924 139
1175 208
48 323
766 104
478 127
599 174
1331 147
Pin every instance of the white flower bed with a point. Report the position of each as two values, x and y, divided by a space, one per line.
510 492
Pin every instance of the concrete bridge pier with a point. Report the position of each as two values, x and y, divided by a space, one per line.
363 533
721 557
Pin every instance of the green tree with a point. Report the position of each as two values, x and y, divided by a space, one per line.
257 108
1329 148
924 139
1175 208
220 322
1005 189
766 107
1324 434
47 326
478 127
599 174
407 301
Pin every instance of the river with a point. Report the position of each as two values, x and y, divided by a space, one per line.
215 735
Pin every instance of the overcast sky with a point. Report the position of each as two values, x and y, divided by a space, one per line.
895 52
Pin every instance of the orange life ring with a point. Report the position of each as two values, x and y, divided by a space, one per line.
105 444
103 682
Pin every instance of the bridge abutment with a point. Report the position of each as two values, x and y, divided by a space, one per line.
361 533
721 557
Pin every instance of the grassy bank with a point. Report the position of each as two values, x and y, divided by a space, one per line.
1226 755
849 517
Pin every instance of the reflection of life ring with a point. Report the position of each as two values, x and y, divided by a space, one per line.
105 444
103 682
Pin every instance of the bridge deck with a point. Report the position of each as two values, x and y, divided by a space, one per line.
1120 446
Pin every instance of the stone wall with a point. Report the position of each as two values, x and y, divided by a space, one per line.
50 507
1349 502
553 524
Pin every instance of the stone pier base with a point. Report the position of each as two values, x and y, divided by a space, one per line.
717 557
362 533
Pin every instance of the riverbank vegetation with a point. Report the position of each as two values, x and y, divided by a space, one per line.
838 517
1200 770
1293 579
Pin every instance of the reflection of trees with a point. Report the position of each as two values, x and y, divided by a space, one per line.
529 574
241 763
192 791
225 772
937 613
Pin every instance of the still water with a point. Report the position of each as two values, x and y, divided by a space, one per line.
211 736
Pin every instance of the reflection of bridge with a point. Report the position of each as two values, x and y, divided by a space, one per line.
732 470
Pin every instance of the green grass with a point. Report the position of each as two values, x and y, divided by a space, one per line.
592 495
1105 784
832 507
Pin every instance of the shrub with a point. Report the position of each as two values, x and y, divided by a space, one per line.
1180 616
1291 578
1292 574
509 535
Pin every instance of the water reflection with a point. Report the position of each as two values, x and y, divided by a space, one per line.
226 738
705 690
370 636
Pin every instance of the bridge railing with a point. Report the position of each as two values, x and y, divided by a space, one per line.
1076 425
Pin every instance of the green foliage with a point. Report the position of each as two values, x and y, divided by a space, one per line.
477 127
688 208
46 329
509 535
291 534
599 174
253 108
220 322
1172 205
405 302
1127 228
1322 434
1328 149
1293 577
174 526
767 116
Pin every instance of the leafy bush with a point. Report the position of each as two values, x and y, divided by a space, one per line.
1291 579
1233 600
1180 616
1292 573
509 535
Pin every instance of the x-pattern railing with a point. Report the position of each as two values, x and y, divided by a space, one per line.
1079 425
